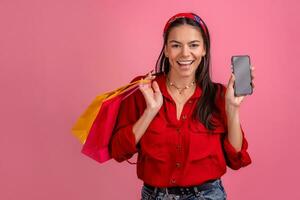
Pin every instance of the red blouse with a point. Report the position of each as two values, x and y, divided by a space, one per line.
175 152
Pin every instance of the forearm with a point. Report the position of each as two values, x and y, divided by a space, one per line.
142 124
235 136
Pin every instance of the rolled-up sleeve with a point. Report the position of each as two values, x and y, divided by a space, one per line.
122 144
236 159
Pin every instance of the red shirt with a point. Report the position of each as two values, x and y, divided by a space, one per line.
175 152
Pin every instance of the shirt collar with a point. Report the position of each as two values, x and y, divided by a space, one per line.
161 81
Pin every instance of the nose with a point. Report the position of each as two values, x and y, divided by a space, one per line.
185 51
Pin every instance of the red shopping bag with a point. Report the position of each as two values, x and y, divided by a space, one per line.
97 142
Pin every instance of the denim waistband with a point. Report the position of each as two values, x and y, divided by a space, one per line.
178 190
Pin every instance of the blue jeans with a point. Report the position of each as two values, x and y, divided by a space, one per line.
210 191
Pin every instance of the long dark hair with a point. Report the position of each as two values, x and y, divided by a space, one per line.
206 105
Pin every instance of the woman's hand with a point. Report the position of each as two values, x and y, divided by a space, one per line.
152 94
232 102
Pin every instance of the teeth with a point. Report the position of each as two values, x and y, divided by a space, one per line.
185 62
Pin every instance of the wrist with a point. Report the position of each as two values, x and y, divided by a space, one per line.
232 113
150 112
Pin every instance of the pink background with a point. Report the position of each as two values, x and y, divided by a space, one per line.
56 56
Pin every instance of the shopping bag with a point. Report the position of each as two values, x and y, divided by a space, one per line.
83 125
96 145
94 127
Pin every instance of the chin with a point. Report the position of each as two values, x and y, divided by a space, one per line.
186 72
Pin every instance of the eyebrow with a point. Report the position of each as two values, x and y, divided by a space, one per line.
180 43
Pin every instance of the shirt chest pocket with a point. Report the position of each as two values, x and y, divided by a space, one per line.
203 143
154 140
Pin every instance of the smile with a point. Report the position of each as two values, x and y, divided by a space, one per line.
184 63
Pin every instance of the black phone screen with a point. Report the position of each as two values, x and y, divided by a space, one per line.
242 73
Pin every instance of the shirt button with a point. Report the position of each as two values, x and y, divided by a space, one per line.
190 101
173 181
184 117
177 164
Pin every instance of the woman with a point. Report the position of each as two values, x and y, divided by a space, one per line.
185 128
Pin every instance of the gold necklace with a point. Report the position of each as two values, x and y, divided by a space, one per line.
180 90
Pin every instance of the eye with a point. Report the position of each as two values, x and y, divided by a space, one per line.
194 45
175 46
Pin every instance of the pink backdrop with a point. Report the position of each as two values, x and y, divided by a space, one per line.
56 56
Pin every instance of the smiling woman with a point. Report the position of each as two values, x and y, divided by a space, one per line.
184 127
185 49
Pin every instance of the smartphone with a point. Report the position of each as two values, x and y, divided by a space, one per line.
242 72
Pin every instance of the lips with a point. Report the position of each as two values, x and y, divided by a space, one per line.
185 63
